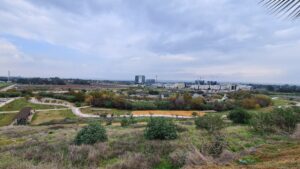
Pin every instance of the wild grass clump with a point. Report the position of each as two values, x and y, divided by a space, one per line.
211 123
87 154
160 129
216 146
133 161
239 116
91 134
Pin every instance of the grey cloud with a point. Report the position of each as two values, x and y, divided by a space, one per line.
176 38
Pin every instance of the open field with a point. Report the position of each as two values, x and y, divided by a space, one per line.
7 119
168 112
22 102
51 116
52 147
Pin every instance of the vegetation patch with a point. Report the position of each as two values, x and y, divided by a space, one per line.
52 115
7 118
161 128
211 123
18 104
91 134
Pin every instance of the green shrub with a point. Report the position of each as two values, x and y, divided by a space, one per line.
211 123
160 128
239 116
262 123
91 134
125 122
285 119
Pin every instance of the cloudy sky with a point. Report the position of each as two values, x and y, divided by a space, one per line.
225 40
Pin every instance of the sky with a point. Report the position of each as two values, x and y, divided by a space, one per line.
223 40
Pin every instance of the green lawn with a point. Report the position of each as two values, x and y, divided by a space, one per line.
52 116
6 119
21 103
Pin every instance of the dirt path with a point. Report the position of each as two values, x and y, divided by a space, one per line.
7 88
75 110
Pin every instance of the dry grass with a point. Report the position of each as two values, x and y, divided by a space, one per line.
168 112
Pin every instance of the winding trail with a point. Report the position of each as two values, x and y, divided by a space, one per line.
75 110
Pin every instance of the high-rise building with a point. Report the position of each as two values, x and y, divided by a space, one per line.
140 79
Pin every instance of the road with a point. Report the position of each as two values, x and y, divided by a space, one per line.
7 88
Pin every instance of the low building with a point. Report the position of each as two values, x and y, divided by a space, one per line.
174 85
220 88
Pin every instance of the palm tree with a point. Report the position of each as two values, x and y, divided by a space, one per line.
284 8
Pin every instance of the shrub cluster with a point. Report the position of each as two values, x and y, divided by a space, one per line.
211 123
284 120
161 129
91 134
239 116
256 101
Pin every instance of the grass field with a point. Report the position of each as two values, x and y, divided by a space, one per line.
50 116
21 103
167 112
53 148
7 119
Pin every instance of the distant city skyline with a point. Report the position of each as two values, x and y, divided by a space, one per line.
222 40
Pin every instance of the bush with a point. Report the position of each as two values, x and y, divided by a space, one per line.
211 123
239 116
262 123
160 128
91 134
285 119
278 120
125 122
